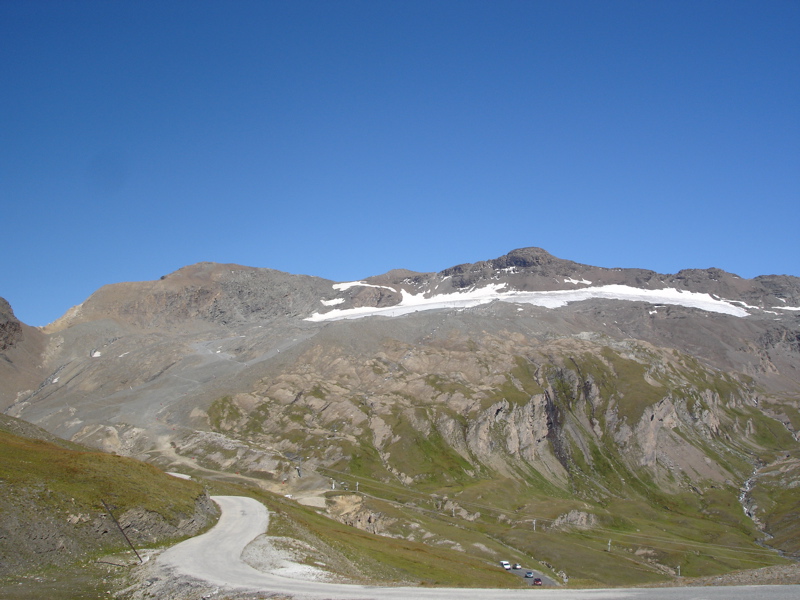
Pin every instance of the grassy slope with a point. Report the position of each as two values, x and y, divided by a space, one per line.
51 495
372 558
643 540
74 480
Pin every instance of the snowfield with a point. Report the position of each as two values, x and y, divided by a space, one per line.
554 299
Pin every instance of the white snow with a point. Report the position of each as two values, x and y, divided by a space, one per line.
786 307
745 304
415 302
576 281
333 302
553 299
347 285
178 475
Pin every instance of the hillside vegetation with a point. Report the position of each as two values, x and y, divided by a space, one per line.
623 443
52 494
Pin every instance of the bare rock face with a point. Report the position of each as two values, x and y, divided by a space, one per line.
144 527
575 519
21 356
48 538
10 327
350 510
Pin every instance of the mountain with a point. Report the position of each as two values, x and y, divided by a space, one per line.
660 411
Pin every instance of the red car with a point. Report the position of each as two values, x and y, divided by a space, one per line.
537 581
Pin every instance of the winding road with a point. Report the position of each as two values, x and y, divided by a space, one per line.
214 557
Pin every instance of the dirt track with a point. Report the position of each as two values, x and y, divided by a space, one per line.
215 558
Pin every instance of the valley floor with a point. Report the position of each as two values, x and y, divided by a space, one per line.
210 566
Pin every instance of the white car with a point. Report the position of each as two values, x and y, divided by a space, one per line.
505 564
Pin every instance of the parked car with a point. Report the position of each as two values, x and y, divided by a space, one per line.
517 566
529 574
537 581
505 564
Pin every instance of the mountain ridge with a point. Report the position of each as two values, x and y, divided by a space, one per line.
542 271
608 392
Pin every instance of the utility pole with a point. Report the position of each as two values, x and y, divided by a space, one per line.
609 546
679 570
121 530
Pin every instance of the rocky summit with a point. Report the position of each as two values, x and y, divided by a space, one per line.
535 401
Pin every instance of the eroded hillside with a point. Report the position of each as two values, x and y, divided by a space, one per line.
548 406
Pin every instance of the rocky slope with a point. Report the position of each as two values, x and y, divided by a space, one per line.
583 393
22 351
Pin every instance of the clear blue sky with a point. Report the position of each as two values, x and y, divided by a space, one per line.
346 138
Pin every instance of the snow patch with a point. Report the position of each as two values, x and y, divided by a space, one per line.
347 285
416 302
333 302
552 299
745 304
577 281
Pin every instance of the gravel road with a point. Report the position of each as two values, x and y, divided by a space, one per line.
215 557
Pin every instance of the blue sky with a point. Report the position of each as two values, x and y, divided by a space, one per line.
346 138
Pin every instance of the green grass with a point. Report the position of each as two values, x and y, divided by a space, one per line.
427 458
52 492
364 462
525 373
777 495
223 413
379 558
633 393
71 479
